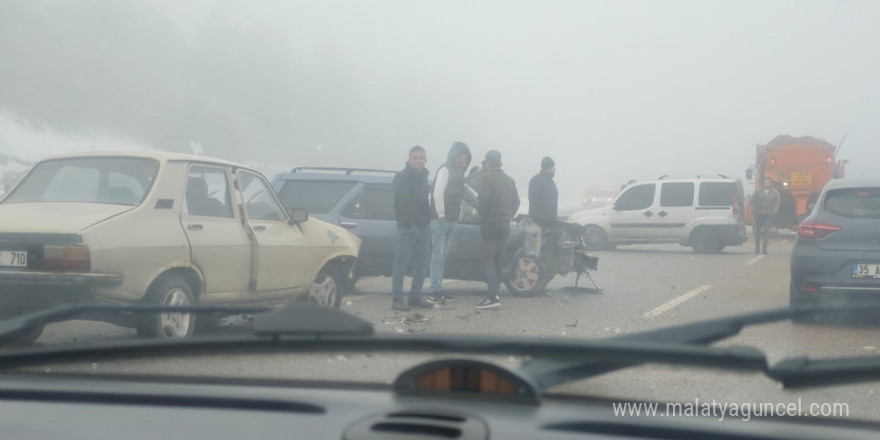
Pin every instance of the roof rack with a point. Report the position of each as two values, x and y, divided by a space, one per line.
347 171
690 177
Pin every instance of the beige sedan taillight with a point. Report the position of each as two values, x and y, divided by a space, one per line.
67 258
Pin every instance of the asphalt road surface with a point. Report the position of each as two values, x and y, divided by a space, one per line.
644 287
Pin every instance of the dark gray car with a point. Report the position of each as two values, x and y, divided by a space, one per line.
836 257
363 202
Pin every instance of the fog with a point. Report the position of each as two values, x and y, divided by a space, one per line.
612 90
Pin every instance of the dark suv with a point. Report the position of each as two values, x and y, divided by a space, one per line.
362 201
836 257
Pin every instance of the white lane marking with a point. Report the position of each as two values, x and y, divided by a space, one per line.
660 310
755 260
626 246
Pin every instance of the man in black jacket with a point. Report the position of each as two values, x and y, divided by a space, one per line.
543 195
497 202
413 232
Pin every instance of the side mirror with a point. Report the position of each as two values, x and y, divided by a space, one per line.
298 216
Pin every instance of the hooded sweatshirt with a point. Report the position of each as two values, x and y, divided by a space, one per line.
449 184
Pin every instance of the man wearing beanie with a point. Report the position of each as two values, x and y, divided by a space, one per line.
543 195
497 203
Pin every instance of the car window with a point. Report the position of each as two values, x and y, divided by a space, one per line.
207 192
371 204
317 197
122 181
717 193
259 200
635 198
854 202
677 194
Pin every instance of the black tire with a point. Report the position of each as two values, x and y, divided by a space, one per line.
328 288
529 276
595 238
350 285
706 241
171 290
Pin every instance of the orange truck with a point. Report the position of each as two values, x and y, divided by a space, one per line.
800 167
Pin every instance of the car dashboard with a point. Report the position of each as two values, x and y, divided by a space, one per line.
40 406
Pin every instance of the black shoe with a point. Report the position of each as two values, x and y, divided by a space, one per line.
436 298
399 304
421 303
448 297
490 302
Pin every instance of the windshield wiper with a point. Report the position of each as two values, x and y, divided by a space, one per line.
799 372
802 372
309 328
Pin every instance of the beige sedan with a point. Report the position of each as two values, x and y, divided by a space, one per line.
162 229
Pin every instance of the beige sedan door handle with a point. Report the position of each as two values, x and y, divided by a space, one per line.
259 228
194 227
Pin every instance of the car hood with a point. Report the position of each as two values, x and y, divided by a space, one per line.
581 216
321 233
70 218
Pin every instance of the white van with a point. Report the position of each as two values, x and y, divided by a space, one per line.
705 213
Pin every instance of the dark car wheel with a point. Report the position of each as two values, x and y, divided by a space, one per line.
327 289
706 241
172 291
595 238
529 276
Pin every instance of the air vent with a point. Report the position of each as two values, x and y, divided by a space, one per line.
427 424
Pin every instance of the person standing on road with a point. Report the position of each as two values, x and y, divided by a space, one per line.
765 205
472 174
497 203
413 231
445 213
543 195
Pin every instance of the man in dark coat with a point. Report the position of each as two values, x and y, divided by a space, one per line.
765 206
497 203
413 230
543 195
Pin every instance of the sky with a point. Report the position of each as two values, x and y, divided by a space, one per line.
611 90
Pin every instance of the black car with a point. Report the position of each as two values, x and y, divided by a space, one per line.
362 201
836 257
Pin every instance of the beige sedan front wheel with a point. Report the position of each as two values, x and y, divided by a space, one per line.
327 289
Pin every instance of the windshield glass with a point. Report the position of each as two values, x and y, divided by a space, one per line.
538 170
100 180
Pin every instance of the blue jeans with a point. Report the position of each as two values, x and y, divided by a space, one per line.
441 239
412 243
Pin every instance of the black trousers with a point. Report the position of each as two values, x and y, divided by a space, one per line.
494 238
